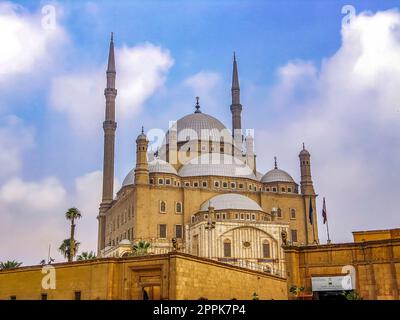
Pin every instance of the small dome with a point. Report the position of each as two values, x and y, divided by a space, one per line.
304 152
156 165
161 166
276 175
191 127
129 179
141 136
231 201
215 164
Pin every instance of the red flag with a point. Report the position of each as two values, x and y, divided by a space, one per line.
324 215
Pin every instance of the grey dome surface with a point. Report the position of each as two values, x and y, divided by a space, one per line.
156 165
231 201
276 175
161 166
129 179
190 127
216 164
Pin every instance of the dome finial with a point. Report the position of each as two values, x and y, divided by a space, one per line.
142 130
304 148
276 163
197 105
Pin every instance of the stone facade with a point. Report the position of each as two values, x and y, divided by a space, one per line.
160 197
169 276
376 265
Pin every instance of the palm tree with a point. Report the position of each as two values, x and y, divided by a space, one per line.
86 256
9 264
72 214
65 248
141 248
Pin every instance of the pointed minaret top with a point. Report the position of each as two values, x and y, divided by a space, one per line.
235 76
111 58
276 163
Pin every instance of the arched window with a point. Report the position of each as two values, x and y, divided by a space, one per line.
227 248
178 208
163 206
279 213
266 249
293 213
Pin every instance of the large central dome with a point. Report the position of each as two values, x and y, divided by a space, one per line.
216 164
190 127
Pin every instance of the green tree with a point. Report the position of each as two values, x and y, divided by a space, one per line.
72 214
352 295
141 248
65 248
9 264
86 256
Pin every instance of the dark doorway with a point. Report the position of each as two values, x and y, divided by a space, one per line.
330 295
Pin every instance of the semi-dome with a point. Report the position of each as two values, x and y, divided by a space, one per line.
231 201
156 165
190 127
276 175
216 164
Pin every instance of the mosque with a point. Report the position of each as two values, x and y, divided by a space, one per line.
217 227
200 193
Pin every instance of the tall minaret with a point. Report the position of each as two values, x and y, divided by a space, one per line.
109 126
236 109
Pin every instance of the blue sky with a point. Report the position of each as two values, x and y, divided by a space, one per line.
293 57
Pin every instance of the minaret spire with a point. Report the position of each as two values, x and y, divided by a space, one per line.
109 126
236 109
235 82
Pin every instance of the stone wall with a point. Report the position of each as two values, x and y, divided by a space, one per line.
176 276
214 280
376 265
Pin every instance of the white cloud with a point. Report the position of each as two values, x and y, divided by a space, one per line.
33 216
26 45
141 71
87 198
348 114
205 84
38 196
15 139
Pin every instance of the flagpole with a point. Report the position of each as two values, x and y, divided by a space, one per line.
327 231
312 224
325 216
